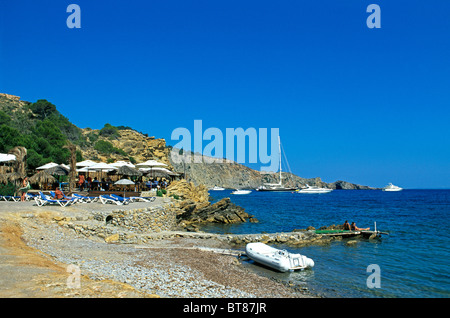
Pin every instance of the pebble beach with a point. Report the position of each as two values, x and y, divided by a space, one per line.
172 267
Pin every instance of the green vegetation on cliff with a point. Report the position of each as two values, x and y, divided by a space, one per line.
44 131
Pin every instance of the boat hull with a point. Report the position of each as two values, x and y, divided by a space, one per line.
278 190
239 192
279 260
315 191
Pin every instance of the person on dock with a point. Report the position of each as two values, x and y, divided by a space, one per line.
355 228
346 226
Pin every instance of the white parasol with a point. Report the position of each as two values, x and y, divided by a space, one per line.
150 164
47 166
124 182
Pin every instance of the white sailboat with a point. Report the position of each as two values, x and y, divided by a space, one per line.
276 187
390 187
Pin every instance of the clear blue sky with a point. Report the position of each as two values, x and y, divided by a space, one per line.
369 106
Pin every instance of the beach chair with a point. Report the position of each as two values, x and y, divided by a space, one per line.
85 199
43 199
104 199
73 198
11 198
143 199
53 195
29 196
121 199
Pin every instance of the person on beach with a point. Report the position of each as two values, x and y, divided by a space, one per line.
58 194
25 187
81 181
346 226
355 228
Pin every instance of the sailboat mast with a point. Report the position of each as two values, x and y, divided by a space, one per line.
279 153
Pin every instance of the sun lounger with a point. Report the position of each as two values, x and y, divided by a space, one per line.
85 199
104 199
144 199
74 199
10 198
121 199
29 196
43 199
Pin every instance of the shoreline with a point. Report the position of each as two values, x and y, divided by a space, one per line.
170 267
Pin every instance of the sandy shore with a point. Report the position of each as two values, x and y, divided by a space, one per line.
35 253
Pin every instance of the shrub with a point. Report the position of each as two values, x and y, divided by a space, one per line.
109 131
107 148
7 189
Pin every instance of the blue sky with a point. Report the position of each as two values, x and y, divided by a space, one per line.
369 106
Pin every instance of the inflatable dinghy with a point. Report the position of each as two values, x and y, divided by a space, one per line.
280 260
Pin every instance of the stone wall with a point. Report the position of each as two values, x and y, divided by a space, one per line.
122 225
144 220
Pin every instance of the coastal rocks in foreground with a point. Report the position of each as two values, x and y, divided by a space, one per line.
195 208
223 211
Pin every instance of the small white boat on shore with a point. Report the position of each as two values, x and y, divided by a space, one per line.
314 189
390 187
280 260
241 191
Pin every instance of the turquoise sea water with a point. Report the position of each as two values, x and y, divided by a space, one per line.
414 259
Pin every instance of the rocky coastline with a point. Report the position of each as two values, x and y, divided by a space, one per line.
117 249
143 249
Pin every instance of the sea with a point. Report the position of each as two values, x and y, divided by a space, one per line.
411 261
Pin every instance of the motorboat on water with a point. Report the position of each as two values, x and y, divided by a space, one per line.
314 189
280 260
392 188
237 191
216 188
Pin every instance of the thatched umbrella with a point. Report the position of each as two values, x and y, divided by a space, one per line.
158 174
42 177
14 176
4 177
58 170
20 163
128 171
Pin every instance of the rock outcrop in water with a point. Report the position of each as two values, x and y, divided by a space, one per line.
195 208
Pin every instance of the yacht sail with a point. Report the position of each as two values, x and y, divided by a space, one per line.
276 187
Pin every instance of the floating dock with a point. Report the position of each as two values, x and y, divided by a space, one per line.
348 233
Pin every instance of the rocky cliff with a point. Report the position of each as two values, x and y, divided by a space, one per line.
236 176
132 143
